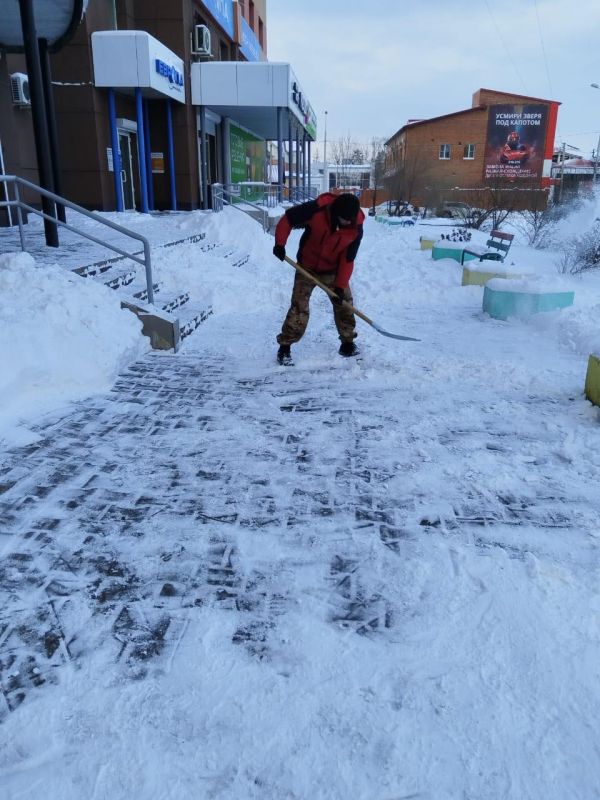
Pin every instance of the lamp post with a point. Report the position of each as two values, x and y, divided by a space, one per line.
595 86
325 170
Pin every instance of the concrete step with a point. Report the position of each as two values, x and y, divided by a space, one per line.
121 279
195 316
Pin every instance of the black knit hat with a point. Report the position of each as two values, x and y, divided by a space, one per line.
346 206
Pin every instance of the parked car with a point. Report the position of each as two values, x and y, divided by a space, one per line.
401 208
455 210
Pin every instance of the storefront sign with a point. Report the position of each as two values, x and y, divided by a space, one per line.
132 59
250 46
222 11
516 138
307 115
173 75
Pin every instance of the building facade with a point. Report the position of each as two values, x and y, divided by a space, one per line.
135 127
503 140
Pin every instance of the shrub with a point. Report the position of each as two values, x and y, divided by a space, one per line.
581 253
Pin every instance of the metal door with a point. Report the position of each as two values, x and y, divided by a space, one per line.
126 146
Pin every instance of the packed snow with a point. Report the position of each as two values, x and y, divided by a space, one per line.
464 471
64 339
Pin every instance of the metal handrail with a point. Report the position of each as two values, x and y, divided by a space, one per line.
231 194
220 195
299 194
20 205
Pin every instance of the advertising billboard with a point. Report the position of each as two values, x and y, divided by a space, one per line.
222 11
515 143
247 154
249 44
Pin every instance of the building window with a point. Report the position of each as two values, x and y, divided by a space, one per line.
445 151
469 151
251 14
261 33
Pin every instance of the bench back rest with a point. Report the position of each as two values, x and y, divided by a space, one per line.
500 241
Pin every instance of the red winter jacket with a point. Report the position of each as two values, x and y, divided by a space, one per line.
324 246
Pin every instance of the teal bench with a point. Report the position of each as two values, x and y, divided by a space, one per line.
443 250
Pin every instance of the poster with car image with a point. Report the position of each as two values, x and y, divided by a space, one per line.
516 137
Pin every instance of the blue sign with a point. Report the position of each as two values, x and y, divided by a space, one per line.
170 73
250 46
222 11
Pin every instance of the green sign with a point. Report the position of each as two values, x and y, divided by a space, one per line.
247 154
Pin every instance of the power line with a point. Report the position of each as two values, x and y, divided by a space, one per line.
499 32
537 16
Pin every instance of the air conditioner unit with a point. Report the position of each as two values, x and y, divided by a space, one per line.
19 87
201 41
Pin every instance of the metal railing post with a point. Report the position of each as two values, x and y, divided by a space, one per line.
20 217
148 269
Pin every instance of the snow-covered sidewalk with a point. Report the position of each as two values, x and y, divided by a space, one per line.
371 579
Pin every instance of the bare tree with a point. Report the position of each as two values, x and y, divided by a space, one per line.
534 221
581 253
377 160
494 202
406 175
341 155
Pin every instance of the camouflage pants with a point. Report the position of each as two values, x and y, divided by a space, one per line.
296 320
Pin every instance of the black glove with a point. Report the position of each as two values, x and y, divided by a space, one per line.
279 251
338 300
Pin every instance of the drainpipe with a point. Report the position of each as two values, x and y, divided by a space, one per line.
280 154
203 175
6 195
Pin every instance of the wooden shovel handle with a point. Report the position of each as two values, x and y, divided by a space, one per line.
326 289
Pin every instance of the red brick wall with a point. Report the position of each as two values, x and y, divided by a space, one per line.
423 141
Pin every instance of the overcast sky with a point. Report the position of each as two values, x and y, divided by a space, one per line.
374 64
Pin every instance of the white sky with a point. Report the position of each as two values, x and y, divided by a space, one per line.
375 65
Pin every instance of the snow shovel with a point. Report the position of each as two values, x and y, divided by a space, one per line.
358 313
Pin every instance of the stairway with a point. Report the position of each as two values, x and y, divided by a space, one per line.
172 317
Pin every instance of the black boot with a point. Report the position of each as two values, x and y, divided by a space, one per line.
348 349
284 355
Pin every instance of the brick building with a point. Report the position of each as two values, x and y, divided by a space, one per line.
131 133
504 140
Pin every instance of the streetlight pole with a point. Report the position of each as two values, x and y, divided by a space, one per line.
325 169
595 86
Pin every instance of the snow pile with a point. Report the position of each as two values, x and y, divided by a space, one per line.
64 339
536 284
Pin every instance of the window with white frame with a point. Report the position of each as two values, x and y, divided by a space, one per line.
469 151
445 151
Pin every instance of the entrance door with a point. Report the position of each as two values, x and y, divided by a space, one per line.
212 165
128 148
